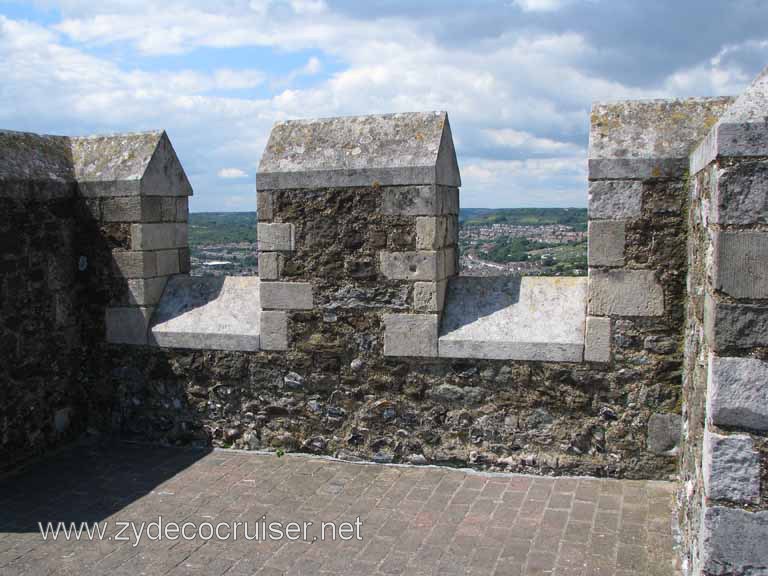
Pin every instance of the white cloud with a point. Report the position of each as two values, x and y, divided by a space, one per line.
231 173
539 5
520 140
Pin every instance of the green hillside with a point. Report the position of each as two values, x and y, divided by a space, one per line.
207 228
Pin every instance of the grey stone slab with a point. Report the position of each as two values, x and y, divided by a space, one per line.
270 265
731 468
133 264
651 129
732 541
751 105
615 199
410 335
158 236
636 168
385 150
274 330
127 325
412 265
664 433
597 341
429 296
737 392
435 232
145 291
428 200
168 262
264 205
741 264
607 239
741 194
131 209
734 325
625 293
529 318
182 209
27 156
275 237
286 296
208 313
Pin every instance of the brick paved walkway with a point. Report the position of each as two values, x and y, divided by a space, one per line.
414 520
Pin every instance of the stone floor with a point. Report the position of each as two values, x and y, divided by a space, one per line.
414 520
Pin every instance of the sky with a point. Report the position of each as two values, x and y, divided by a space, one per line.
517 77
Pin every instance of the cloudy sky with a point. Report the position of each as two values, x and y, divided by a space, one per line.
517 77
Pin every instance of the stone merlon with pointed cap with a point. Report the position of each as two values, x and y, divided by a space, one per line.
139 164
388 150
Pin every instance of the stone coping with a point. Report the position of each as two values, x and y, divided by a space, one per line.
208 313
514 318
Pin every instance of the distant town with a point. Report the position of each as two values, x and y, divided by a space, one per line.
492 242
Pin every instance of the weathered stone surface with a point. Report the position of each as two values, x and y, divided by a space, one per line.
131 264
410 335
286 296
182 209
274 330
606 242
208 313
615 199
731 468
650 138
734 325
27 156
145 291
664 433
275 237
131 209
264 205
732 542
741 264
741 194
597 342
429 296
158 236
128 325
420 265
270 265
168 262
388 149
737 392
420 200
529 318
435 232
625 293
128 164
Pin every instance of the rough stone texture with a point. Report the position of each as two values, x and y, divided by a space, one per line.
130 264
737 395
286 296
734 326
270 265
664 433
208 313
597 340
410 335
34 157
419 200
606 243
732 542
274 330
429 296
435 232
421 265
390 150
275 237
741 264
615 199
741 194
648 139
264 205
625 293
414 519
158 236
731 468
529 318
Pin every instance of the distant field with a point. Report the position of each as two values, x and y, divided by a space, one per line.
576 217
211 228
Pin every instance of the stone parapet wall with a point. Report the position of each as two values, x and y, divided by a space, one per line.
724 493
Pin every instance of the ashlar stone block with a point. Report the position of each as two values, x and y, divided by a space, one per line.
158 236
286 296
615 199
413 265
429 296
128 325
729 325
732 541
270 265
624 293
432 232
410 335
274 330
145 291
741 264
132 264
274 237
597 345
737 392
607 239
741 194
168 262
731 468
